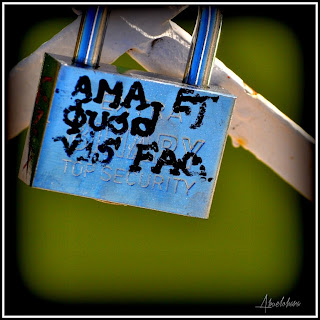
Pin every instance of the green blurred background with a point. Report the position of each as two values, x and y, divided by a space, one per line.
76 256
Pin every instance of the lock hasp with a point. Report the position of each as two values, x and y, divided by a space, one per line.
135 139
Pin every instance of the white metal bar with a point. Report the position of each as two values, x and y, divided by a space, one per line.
161 46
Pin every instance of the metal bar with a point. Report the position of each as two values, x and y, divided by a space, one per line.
203 46
91 36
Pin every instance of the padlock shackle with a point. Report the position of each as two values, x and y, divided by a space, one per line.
91 36
203 47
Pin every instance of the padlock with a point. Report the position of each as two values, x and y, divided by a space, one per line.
130 138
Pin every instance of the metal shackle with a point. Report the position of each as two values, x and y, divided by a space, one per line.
202 50
203 47
91 36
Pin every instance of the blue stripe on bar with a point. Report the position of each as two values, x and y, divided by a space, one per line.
205 47
89 35
94 33
86 33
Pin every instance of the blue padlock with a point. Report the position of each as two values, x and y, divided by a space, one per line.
131 139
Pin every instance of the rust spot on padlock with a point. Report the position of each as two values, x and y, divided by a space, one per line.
46 79
41 92
39 114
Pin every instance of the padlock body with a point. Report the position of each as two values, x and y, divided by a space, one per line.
127 138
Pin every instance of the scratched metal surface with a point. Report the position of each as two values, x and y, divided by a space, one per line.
75 159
